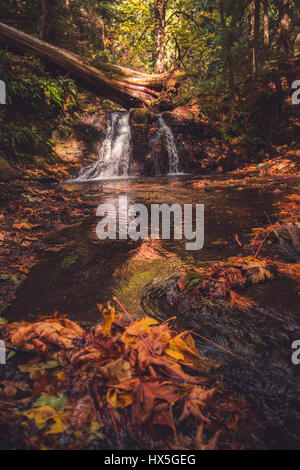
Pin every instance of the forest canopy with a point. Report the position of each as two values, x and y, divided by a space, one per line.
206 38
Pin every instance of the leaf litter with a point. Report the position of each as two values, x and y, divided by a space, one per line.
117 384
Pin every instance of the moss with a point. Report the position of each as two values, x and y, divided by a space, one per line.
109 105
180 76
141 116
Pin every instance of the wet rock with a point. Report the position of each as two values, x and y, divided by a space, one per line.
142 124
201 147
82 145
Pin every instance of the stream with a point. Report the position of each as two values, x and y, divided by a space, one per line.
89 271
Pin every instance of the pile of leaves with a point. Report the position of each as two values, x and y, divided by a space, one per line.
220 281
285 232
275 166
122 384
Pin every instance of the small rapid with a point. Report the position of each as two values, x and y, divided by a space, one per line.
173 156
115 151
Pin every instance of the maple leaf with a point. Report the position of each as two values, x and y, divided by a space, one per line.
109 317
121 395
240 301
174 370
182 351
58 403
42 417
257 269
197 399
165 418
60 332
211 444
120 368
142 376
146 395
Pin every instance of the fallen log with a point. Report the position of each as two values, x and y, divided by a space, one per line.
129 92
155 81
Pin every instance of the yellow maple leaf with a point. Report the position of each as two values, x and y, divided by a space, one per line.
109 317
181 350
43 414
136 329
119 398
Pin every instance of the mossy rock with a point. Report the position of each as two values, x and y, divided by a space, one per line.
141 116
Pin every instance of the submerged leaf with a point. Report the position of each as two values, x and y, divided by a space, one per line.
44 416
58 403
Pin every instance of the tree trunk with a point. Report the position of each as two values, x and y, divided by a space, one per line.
160 30
284 26
266 31
297 30
42 19
229 60
227 47
129 92
255 28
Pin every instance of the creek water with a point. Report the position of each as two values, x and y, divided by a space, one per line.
90 271
165 131
115 151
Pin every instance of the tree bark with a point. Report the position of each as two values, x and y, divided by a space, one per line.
42 19
284 26
160 30
129 92
255 29
229 60
297 30
266 31
227 47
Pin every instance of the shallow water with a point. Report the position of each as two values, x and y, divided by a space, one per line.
89 271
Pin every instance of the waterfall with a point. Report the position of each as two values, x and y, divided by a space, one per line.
114 155
170 144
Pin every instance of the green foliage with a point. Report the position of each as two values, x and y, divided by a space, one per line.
109 105
125 32
26 87
22 139
58 403
60 92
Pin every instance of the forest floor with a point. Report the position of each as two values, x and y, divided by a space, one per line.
32 208
44 395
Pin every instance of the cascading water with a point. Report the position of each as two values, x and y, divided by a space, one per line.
115 152
170 143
